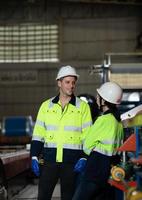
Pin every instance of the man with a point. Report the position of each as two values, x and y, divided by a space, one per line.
59 130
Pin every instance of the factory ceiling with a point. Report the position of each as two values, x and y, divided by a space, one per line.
134 2
126 2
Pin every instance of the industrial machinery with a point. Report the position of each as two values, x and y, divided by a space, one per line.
127 175
14 156
125 69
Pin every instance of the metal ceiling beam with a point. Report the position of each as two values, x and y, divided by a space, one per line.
124 2
122 68
37 2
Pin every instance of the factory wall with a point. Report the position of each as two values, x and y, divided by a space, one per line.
86 33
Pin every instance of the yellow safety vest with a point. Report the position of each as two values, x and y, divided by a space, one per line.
62 129
105 136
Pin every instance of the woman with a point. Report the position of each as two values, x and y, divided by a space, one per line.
101 143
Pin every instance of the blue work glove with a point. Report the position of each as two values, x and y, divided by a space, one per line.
35 166
80 165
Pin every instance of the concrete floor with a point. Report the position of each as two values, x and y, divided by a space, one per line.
30 193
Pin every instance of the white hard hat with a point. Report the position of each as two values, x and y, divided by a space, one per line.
66 71
111 92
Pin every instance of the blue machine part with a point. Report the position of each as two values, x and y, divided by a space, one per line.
138 132
138 141
17 126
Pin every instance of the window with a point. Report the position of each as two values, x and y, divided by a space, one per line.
29 43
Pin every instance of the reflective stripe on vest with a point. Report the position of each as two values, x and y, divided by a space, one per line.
50 145
87 124
47 127
78 102
102 151
66 146
37 138
40 123
72 128
73 146
105 152
51 104
51 127
109 142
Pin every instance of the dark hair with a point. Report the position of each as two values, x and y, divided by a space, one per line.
92 104
114 110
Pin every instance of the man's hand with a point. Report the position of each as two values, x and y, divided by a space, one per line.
80 165
35 166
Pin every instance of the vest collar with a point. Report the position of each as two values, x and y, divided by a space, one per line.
107 112
72 101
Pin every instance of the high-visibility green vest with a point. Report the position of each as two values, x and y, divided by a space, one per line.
62 129
105 136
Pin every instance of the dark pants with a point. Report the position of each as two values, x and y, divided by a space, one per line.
50 174
88 190
93 181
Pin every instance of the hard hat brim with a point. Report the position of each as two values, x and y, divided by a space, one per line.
75 75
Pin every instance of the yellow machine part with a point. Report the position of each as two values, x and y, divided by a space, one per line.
117 173
136 121
134 194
